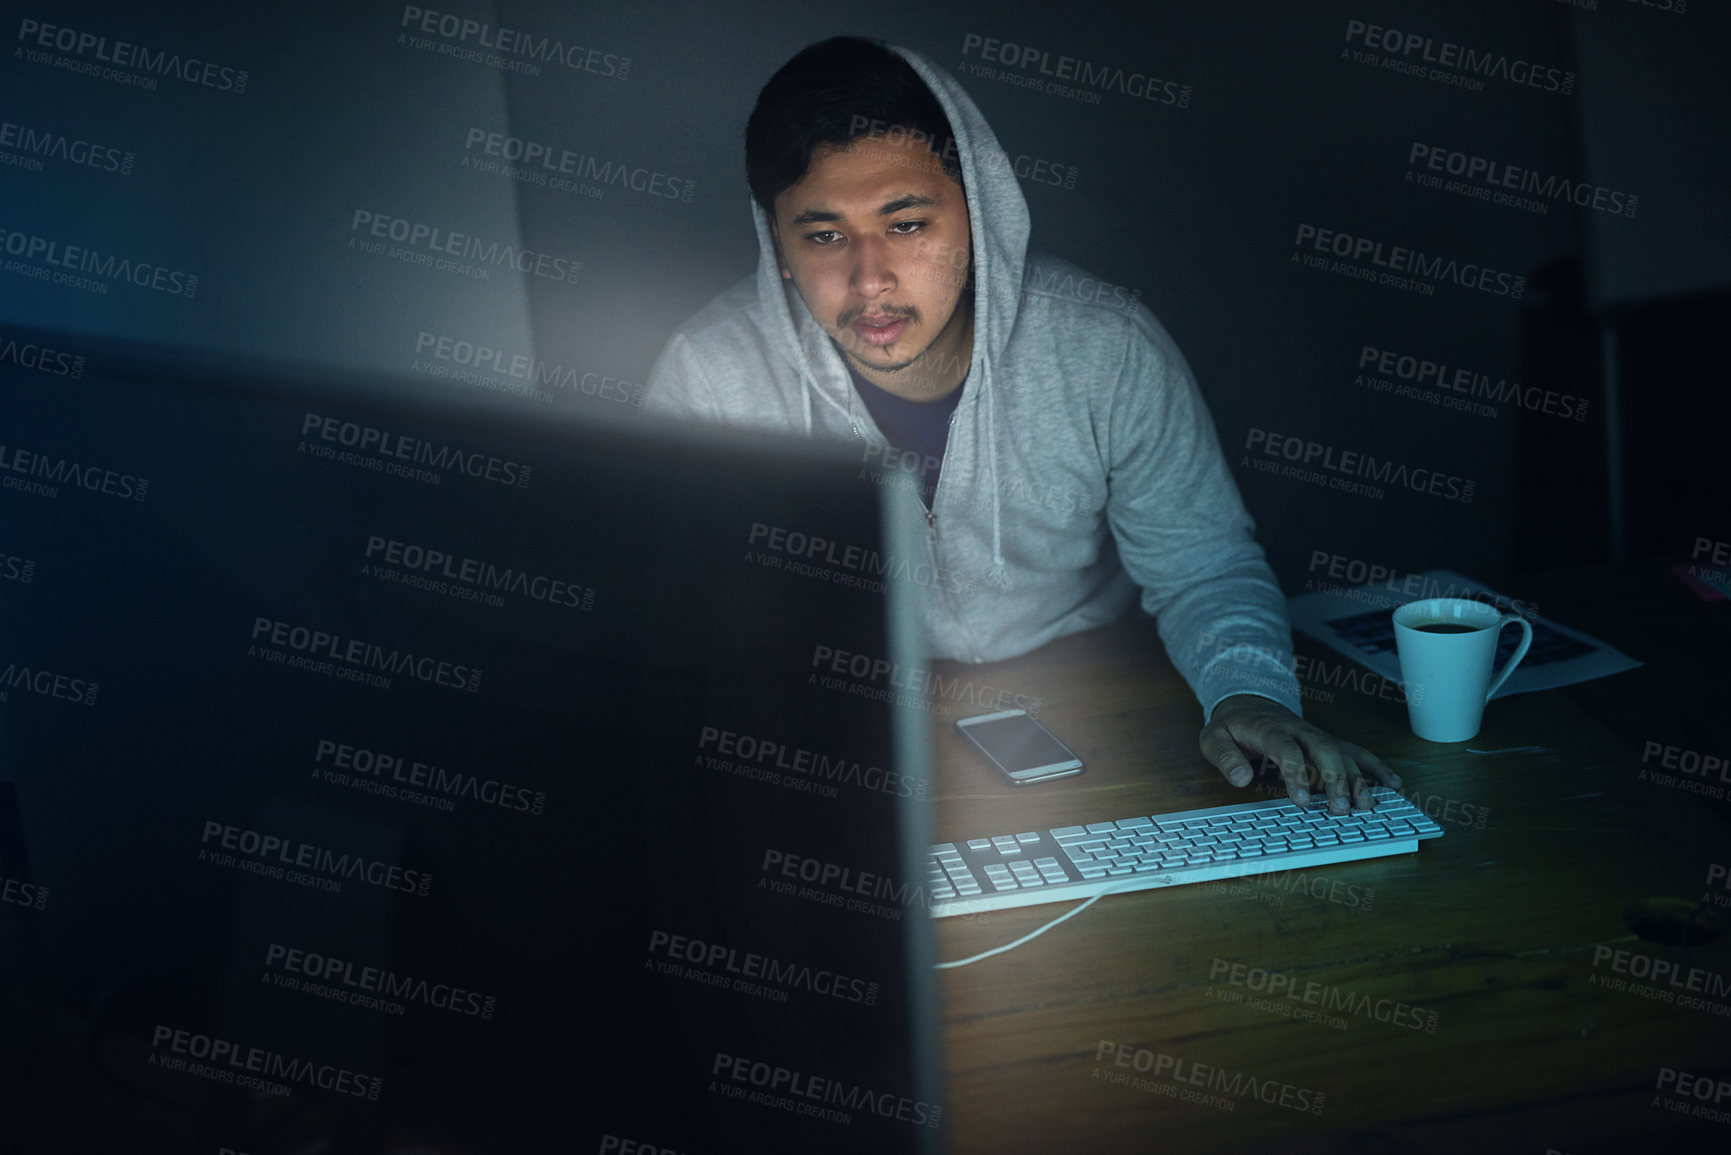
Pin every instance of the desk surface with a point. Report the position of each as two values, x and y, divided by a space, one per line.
1464 995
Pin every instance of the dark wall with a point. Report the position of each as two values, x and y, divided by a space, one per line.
1270 120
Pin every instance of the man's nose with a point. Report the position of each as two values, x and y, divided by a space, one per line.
873 268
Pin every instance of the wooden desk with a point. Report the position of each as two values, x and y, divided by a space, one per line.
1487 936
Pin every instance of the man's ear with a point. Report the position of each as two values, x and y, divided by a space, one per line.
775 239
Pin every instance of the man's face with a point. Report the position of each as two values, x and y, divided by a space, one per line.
875 236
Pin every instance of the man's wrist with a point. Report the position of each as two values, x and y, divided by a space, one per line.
1239 700
1245 700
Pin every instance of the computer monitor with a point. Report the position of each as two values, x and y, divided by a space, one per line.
401 769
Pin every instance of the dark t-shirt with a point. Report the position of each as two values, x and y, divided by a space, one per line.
919 428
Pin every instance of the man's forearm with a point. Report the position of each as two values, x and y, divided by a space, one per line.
1229 635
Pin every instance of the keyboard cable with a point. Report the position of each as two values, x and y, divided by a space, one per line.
1033 934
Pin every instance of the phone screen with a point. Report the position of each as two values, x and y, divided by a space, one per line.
1018 743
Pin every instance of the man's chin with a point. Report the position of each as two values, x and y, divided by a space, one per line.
882 360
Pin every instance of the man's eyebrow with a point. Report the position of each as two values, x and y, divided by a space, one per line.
909 201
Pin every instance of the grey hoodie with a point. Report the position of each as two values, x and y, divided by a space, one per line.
1081 462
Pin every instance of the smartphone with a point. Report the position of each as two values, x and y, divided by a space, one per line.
1019 746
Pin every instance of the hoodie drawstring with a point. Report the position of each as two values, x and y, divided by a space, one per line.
1000 573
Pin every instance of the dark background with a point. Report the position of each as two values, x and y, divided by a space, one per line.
1195 208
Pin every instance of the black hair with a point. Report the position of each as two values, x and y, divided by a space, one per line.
832 93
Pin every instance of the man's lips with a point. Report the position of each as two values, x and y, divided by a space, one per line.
880 330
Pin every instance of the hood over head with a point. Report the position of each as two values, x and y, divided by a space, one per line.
997 217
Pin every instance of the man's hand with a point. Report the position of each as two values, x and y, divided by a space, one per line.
1246 726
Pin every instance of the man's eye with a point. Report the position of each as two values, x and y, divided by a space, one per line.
826 237
906 227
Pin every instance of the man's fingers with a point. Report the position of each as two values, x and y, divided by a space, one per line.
1368 761
1331 764
1219 748
1290 755
1345 770
1361 796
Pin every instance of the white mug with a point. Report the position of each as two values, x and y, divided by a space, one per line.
1447 647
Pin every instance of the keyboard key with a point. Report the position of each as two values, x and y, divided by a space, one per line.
979 844
1063 832
1028 837
1102 827
1092 870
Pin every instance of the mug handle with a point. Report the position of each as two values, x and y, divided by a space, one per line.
1514 658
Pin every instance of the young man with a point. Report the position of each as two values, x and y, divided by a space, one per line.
1065 455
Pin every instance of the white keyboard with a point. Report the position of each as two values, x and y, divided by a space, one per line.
1070 862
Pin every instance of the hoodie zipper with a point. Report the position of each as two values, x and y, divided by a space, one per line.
955 611
931 518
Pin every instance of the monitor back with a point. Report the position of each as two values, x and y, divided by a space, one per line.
389 771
